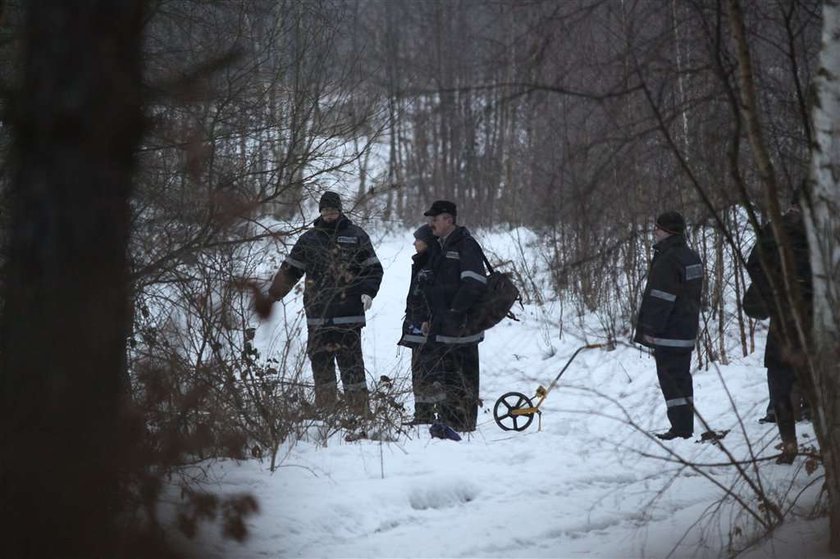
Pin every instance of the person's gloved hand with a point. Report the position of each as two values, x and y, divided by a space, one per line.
424 276
367 301
261 302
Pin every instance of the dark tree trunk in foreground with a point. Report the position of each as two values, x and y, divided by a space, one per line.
76 121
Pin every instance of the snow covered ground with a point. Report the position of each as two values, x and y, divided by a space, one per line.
592 482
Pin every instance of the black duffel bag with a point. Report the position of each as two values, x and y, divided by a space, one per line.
496 302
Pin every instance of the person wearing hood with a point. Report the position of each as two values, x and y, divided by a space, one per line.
669 318
343 276
427 394
455 283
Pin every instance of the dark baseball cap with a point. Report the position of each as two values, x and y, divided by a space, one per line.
441 207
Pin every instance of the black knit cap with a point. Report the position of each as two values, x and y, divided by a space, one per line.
329 200
671 222
424 233
441 207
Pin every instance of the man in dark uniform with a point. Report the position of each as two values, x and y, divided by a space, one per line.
669 319
427 394
456 281
342 278
783 347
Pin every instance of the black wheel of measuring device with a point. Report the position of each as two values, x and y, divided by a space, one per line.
506 405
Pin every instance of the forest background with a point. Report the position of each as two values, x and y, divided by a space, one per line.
146 145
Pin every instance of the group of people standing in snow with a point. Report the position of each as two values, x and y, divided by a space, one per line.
668 319
448 277
343 275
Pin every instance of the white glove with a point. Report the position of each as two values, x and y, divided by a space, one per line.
367 301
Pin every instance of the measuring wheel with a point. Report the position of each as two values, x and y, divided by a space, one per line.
514 411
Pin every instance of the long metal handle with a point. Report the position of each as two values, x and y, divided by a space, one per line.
569 362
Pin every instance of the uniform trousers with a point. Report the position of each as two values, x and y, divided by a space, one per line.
429 393
328 346
674 371
456 368
782 381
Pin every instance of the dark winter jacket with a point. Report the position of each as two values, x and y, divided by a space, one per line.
416 308
340 266
456 281
669 315
776 352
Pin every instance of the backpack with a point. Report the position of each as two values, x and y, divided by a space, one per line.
495 304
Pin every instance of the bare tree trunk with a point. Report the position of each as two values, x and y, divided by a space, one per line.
823 224
749 108
718 296
740 288
77 125
681 78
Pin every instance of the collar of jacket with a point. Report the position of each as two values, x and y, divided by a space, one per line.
420 258
460 232
341 223
671 241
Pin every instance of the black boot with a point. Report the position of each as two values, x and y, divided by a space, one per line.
671 434
769 418
326 400
789 452
357 403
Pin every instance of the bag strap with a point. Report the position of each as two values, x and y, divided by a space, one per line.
486 262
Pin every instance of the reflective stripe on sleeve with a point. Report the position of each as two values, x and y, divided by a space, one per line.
663 295
296 263
473 275
370 261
